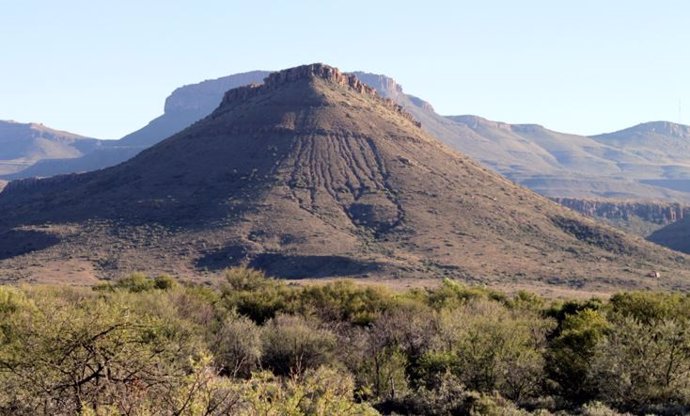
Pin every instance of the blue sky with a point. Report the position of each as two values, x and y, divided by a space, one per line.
104 68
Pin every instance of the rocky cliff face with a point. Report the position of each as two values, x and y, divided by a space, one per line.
657 212
204 97
278 79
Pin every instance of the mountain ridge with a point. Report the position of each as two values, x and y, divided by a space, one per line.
554 164
314 176
24 144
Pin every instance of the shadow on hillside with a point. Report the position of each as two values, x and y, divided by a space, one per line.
287 266
295 267
17 242
230 256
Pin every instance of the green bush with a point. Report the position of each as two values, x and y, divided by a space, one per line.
255 345
570 354
292 345
237 346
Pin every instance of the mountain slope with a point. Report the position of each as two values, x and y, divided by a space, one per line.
23 144
312 174
675 235
665 148
183 107
565 165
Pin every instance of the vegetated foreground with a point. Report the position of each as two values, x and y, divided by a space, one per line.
312 174
257 346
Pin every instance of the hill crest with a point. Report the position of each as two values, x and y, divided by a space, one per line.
309 72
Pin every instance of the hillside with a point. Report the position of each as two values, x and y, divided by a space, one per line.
639 217
665 148
183 107
569 166
675 236
24 144
312 174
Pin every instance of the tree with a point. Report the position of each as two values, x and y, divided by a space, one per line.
570 354
58 356
640 364
491 348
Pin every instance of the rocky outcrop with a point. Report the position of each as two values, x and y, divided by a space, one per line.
655 212
388 88
278 79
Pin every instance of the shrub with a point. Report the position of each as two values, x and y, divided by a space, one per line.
251 293
344 301
570 354
63 357
237 346
291 345
639 364
495 349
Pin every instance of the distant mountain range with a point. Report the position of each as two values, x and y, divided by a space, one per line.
24 144
183 107
314 174
649 162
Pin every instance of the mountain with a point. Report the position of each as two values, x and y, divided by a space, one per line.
639 217
647 135
665 149
24 144
647 162
187 105
566 165
183 107
313 174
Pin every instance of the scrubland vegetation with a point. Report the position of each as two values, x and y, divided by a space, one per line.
257 346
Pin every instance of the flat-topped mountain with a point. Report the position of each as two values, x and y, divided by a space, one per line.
311 174
648 162
24 144
665 149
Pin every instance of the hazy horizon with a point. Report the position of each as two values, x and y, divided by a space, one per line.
587 68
